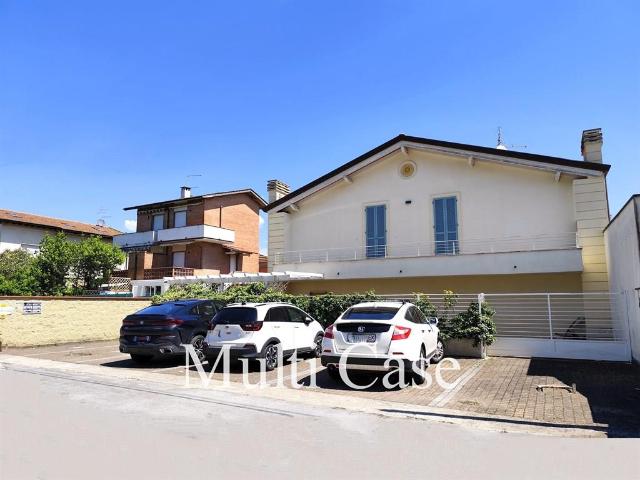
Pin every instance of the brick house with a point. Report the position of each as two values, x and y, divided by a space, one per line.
200 235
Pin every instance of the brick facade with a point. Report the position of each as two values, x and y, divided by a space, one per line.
235 211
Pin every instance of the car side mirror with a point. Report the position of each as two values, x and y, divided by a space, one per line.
433 320
308 320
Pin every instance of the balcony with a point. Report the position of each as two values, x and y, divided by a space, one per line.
128 241
157 273
533 254
144 240
196 232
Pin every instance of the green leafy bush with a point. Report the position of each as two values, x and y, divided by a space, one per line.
328 307
472 324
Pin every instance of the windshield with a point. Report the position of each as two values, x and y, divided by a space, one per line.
161 309
371 313
236 315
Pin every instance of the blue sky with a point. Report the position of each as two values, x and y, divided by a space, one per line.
108 104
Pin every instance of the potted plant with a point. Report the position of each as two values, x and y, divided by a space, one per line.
470 332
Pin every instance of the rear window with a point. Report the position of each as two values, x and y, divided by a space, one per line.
161 309
381 313
236 316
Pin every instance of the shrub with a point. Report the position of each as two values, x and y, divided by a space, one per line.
471 324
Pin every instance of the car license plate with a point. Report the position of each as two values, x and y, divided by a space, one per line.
141 339
367 338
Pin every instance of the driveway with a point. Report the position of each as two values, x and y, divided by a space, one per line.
605 398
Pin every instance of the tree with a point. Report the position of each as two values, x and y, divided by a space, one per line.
17 273
53 264
93 262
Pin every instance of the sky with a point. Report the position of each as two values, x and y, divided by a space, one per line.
108 104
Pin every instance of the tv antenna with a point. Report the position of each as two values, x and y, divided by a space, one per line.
192 176
502 146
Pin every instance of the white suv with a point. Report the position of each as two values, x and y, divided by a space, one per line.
258 330
377 336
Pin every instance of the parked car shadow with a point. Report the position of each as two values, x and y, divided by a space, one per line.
162 362
324 381
611 389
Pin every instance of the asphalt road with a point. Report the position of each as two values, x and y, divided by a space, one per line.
57 426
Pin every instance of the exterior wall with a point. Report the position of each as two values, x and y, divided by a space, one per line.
622 241
592 216
65 320
13 237
555 282
494 201
277 225
239 213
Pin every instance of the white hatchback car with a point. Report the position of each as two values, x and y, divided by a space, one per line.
378 336
258 330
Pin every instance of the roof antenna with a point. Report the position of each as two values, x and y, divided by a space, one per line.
502 146
191 176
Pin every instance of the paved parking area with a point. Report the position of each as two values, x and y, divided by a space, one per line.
607 394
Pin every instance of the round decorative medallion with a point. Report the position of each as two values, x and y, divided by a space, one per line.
407 169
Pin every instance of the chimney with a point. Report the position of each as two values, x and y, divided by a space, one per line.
276 190
185 192
591 145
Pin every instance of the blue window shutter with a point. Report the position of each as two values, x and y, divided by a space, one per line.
445 225
376 230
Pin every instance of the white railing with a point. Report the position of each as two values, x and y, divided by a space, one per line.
550 316
557 241
137 239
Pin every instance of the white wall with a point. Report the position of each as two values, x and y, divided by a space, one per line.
14 236
622 241
493 201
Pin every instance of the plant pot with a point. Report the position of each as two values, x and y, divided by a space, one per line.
463 347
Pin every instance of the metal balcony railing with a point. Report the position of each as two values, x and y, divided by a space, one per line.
560 241
156 273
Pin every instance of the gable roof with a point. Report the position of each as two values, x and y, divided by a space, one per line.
532 159
70 226
185 201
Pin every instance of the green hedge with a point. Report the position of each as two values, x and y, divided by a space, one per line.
326 308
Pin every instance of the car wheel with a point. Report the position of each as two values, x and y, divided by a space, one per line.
271 356
439 355
142 359
420 378
317 347
198 345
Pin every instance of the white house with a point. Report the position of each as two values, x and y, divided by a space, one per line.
26 230
622 239
422 215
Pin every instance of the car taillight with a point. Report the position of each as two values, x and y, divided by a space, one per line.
400 333
328 333
211 325
173 321
251 327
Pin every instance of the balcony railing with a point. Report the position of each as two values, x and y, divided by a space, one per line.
156 273
144 240
561 241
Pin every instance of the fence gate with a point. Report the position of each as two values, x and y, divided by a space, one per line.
591 326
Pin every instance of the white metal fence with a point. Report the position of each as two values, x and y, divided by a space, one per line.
555 241
560 325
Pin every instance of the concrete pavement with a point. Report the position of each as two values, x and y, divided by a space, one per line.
76 421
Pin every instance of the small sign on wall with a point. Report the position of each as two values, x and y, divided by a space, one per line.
32 308
5 309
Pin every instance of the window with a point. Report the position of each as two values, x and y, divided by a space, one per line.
445 225
296 315
178 259
277 314
179 218
376 230
207 309
372 313
158 221
236 315
161 309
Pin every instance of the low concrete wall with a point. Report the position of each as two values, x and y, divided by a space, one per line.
63 319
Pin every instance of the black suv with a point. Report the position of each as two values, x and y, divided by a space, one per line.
159 330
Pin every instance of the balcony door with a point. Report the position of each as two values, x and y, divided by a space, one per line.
178 259
376 230
445 225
